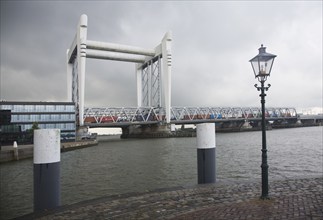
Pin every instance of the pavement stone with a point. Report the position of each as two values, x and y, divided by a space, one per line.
289 199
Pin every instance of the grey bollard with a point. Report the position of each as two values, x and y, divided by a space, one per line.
206 160
15 150
47 156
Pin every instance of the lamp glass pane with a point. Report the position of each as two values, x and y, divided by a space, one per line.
265 66
255 66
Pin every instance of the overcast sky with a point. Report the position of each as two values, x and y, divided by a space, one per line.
213 42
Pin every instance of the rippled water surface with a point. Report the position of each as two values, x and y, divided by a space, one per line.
120 166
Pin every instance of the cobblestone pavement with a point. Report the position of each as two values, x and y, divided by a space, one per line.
290 199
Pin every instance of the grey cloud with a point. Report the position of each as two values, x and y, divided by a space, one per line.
212 43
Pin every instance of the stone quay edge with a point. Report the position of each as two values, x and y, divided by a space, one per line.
289 199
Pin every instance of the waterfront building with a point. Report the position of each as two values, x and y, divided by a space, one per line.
20 117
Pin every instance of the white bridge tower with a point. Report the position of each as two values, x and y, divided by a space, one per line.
153 69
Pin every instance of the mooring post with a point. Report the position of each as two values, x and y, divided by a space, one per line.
47 158
15 150
205 136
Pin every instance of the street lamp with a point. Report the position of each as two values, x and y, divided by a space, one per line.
261 65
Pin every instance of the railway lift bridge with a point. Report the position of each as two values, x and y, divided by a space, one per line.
153 78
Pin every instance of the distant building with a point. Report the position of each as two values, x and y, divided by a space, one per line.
18 118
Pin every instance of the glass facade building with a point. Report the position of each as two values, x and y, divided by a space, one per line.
58 115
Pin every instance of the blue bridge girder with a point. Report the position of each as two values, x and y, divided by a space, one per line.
125 116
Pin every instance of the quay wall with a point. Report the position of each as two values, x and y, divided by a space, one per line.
27 151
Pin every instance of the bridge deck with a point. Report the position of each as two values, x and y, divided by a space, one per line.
180 122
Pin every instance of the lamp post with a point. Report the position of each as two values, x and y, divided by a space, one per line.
261 65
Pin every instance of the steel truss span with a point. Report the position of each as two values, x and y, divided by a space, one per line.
180 115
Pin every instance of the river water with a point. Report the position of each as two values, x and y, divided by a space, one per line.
119 166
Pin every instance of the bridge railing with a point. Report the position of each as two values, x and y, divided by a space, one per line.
148 114
131 114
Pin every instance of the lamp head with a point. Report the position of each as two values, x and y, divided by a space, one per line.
262 64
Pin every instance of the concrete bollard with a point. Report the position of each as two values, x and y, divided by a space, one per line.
205 136
15 150
46 169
